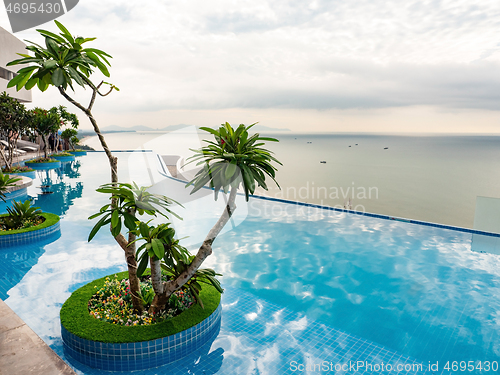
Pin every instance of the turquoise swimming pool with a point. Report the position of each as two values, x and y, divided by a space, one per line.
307 290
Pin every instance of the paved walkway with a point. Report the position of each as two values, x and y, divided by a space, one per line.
23 352
28 155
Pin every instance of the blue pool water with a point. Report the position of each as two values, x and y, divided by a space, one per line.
304 286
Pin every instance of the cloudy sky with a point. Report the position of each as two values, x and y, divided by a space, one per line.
320 65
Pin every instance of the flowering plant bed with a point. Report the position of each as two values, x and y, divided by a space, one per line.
77 319
26 224
41 160
18 169
64 156
112 303
47 220
43 163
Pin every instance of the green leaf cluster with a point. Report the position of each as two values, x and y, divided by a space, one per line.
130 201
62 62
161 244
234 157
14 118
19 213
5 182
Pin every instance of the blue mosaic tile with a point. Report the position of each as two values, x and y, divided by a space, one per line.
39 236
140 355
16 194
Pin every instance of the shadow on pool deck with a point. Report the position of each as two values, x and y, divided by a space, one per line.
22 351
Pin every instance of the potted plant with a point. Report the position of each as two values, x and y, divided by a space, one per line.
63 156
43 163
14 122
22 223
71 136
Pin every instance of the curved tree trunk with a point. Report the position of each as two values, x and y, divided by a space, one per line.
46 145
160 299
126 245
204 251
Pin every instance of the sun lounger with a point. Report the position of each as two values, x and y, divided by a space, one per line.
28 148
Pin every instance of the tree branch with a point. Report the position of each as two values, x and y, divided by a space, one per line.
71 100
206 248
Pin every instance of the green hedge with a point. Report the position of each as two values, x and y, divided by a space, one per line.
76 319
50 219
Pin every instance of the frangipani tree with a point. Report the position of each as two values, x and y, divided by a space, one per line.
65 63
234 159
14 121
70 135
45 122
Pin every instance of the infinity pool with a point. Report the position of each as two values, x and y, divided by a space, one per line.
305 287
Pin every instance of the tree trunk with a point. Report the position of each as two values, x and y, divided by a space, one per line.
120 239
46 145
159 301
132 274
5 158
203 252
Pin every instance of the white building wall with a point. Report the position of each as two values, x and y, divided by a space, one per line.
9 47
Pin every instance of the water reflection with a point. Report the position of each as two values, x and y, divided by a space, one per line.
15 262
56 194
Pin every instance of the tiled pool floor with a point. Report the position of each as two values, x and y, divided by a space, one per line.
260 337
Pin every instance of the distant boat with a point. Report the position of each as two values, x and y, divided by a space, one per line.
356 144
309 142
349 146
386 148
323 161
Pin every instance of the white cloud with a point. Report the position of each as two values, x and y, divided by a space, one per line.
280 54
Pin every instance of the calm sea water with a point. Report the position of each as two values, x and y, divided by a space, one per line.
432 178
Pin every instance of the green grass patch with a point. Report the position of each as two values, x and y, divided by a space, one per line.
41 160
76 319
50 219
18 169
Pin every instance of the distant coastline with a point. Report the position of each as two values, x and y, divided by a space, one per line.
169 128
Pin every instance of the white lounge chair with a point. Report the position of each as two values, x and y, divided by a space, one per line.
28 148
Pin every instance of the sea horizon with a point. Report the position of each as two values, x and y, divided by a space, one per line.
429 177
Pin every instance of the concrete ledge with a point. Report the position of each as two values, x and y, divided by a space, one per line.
23 352
23 183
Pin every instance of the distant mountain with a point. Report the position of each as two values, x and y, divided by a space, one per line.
169 128
116 128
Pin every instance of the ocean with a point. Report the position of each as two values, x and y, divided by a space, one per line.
433 178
